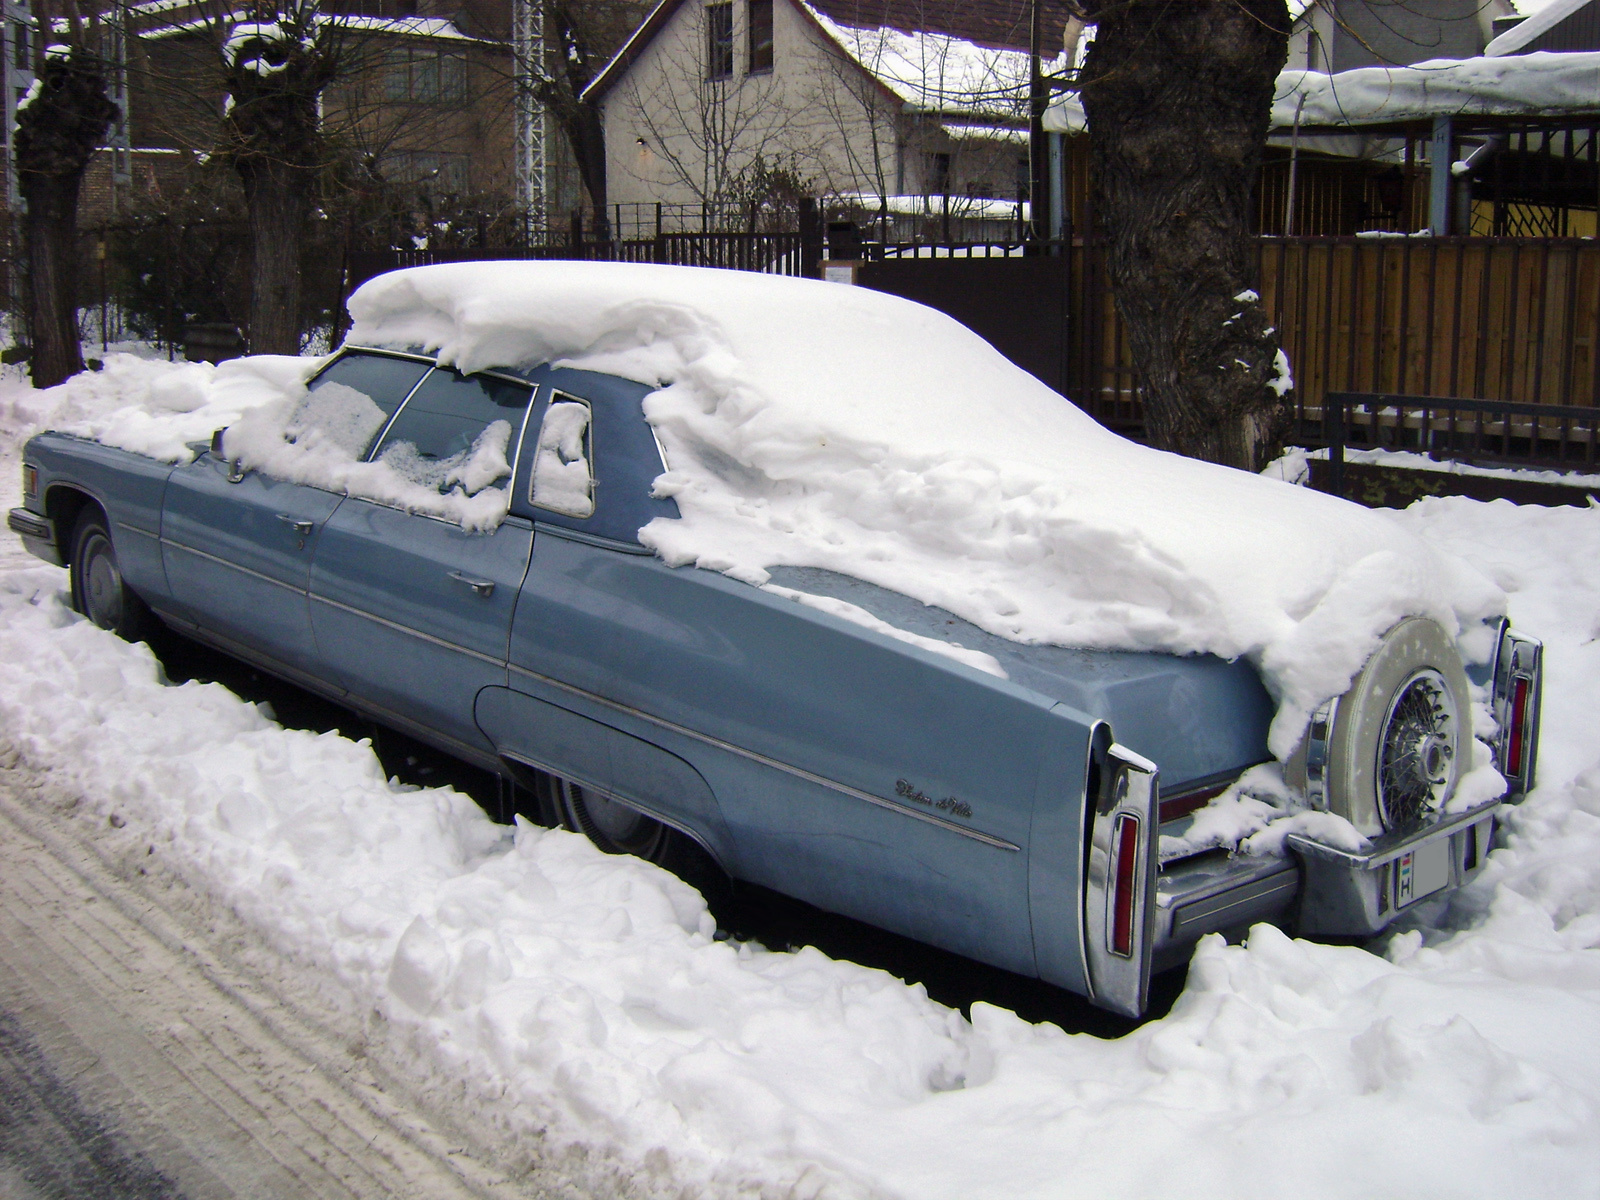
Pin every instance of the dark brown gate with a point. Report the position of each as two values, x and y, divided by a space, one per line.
1018 305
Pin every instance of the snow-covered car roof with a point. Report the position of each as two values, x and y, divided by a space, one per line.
812 424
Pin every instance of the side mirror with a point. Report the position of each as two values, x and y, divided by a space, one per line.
216 443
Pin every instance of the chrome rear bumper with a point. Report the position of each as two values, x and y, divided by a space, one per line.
1357 895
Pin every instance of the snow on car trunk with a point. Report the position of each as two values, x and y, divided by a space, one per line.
549 996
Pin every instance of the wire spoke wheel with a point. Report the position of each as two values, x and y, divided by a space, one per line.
1417 751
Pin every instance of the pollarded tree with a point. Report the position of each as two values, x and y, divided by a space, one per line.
62 121
1179 95
276 71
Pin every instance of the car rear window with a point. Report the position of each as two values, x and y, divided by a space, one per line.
456 430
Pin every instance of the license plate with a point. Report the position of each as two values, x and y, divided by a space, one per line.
1422 872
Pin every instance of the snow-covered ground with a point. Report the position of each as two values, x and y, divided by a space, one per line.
569 1004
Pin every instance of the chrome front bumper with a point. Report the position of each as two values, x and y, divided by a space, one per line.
38 534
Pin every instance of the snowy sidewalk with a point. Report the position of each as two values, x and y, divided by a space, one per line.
158 1069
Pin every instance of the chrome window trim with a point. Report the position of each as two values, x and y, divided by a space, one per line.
592 539
799 772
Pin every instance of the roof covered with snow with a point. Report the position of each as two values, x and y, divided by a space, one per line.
967 57
1527 85
1533 28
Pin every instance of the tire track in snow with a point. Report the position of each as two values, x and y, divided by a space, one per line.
191 1073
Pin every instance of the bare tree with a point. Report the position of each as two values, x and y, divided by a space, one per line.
276 71
58 128
1178 95
583 36
711 128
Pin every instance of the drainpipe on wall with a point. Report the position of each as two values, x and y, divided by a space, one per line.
1440 155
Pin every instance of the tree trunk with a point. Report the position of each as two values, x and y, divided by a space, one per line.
279 196
51 229
1178 97
57 133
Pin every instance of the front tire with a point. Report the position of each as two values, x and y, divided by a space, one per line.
98 589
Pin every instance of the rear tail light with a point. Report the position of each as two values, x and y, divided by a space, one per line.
1516 741
1124 900
1119 883
1518 675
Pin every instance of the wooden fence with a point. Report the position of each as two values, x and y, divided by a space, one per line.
1509 319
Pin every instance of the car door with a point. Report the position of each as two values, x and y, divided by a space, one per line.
412 612
837 767
238 545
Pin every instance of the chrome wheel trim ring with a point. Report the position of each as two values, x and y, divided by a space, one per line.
1418 743
102 583
614 828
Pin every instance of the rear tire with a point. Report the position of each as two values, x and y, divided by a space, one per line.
614 828
98 589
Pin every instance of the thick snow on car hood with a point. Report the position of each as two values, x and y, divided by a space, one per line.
809 424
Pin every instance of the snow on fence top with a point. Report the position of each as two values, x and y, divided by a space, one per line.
809 424
1530 85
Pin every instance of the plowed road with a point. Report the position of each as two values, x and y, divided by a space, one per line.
139 1058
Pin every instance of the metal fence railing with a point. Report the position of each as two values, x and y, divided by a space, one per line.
1477 432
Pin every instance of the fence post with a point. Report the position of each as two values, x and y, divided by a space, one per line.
1335 407
658 252
810 238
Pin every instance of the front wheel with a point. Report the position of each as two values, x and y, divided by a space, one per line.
98 590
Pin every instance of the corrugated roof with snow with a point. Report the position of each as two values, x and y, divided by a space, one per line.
1524 85
1532 29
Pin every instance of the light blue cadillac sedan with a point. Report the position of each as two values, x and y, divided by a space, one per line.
680 715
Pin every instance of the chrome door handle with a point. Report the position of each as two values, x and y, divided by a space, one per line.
303 528
483 587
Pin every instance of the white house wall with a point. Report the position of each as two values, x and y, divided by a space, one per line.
816 112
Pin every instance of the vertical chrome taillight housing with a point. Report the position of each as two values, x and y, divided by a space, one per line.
1123 834
1518 687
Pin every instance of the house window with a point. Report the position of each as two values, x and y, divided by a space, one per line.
1024 180
21 41
422 76
432 172
760 35
939 170
719 41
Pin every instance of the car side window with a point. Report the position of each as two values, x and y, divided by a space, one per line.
350 402
563 465
456 431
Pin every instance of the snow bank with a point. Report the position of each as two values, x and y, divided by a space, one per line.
807 424
550 996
